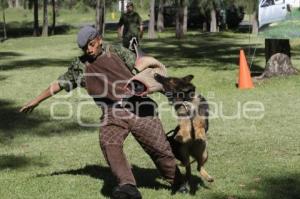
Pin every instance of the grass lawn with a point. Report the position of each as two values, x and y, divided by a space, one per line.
42 156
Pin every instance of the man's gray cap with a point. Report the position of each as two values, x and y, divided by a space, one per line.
86 34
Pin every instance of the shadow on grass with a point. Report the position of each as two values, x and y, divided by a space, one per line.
9 54
13 123
256 70
275 187
145 177
11 120
214 51
3 77
16 162
23 29
17 64
244 28
35 63
195 182
279 187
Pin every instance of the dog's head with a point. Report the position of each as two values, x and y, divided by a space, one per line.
177 89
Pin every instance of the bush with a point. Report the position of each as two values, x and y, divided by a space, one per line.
234 16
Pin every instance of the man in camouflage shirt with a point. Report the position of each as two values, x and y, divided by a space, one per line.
132 25
118 119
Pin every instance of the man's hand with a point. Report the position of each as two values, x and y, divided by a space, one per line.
51 90
28 108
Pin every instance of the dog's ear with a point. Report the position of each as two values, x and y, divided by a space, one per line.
188 78
189 88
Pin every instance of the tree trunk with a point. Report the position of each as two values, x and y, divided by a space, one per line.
25 4
17 4
30 4
179 19
10 3
53 2
278 59
36 31
100 16
151 31
4 23
254 22
45 19
213 20
273 46
160 16
185 16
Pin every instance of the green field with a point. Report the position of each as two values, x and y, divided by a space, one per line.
44 157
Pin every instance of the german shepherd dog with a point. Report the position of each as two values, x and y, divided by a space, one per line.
189 137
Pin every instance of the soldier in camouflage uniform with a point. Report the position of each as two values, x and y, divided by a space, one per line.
132 25
116 62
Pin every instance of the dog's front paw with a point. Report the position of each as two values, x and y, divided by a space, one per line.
200 134
182 136
181 139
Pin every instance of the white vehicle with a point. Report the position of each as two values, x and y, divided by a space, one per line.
270 11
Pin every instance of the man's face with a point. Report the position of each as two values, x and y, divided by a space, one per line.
129 9
94 47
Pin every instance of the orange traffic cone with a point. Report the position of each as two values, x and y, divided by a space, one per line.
245 81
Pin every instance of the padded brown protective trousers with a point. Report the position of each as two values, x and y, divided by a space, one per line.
116 123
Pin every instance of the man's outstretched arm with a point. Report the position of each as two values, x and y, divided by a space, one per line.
67 81
51 90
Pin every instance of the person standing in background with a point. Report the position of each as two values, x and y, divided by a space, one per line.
130 25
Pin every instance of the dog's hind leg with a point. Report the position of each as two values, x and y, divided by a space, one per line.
203 173
188 173
185 160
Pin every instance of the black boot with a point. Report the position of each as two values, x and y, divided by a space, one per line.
183 188
126 191
180 185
